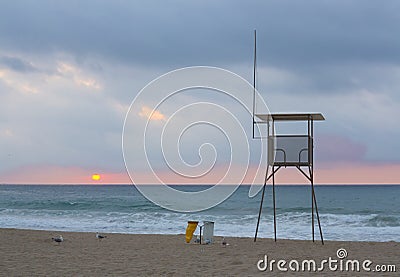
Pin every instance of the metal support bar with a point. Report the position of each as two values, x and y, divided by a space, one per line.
305 174
319 223
262 196
273 172
312 207
261 204
273 200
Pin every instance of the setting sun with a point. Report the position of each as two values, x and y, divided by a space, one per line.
95 177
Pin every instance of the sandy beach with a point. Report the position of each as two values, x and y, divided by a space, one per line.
33 253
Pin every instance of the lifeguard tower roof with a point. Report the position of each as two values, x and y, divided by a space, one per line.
291 116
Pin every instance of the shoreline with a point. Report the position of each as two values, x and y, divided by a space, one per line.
32 252
317 239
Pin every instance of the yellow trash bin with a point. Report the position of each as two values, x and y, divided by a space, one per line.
192 225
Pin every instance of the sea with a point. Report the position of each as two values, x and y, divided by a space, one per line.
347 212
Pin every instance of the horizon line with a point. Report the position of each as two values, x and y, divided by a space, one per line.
192 184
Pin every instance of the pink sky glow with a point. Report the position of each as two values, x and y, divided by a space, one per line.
343 173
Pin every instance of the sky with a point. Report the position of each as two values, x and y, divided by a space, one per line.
69 71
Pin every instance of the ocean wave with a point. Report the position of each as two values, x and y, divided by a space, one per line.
384 221
122 210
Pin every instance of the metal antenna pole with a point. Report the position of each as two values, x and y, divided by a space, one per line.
254 77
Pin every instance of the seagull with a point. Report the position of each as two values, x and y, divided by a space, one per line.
58 240
100 237
224 244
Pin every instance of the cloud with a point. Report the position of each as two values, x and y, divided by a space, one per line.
66 69
90 83
54 120
337 148
18 83
150 114
17 64
76 74
7 133
181 33
340 58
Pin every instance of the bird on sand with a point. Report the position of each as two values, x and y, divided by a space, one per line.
58 239
100 237
224 244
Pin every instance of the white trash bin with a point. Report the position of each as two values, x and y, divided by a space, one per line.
208 232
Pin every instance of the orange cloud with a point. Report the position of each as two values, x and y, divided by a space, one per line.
70 71
91 83
12 80
7 133
151 114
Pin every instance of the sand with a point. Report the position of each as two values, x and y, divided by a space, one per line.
33 253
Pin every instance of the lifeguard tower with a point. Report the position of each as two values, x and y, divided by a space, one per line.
287 150
294 150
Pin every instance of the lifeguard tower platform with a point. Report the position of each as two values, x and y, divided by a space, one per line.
294 150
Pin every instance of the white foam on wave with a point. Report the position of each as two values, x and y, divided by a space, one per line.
291 225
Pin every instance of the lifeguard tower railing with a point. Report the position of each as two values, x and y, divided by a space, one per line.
294 150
